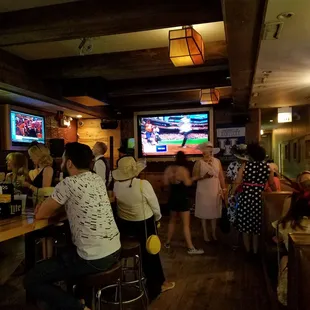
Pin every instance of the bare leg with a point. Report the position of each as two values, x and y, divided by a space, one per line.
213 226
171 225
205 231
246 241
185 216
255 244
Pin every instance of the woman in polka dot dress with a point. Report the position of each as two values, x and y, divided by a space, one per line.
253 176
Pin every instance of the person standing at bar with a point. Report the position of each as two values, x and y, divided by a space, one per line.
101 165
252 177
41 158
177 177
138 210
94 232
210 190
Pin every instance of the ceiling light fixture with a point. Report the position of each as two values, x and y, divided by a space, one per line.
79 116
186 47
285 115
209 96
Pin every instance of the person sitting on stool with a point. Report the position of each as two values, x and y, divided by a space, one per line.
94 232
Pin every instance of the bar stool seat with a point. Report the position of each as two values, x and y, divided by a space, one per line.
99 282
130 248
132 265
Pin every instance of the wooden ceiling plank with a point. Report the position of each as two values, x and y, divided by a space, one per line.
98 18
168 83
124 65
243 25
175 99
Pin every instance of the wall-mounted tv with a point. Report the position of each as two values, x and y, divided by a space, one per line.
166 134
26 128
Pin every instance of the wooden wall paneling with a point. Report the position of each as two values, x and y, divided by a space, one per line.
90 133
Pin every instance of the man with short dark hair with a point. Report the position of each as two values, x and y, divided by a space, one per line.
93 229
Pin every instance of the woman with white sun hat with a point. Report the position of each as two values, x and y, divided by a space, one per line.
138 210
210 191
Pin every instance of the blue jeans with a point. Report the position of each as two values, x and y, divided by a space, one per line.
69 266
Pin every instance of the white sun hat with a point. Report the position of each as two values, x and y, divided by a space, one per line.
207 145
128 168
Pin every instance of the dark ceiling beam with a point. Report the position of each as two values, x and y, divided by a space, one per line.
243 21
128 64
17 78
168 83
170 100
98 18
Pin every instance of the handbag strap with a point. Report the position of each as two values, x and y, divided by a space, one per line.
145 226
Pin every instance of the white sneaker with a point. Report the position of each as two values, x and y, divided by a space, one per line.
195 251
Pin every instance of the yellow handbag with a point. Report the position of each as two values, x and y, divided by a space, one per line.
153 244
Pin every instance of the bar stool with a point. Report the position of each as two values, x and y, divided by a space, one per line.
131 251
99 282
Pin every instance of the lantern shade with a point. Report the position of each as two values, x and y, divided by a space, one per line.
209 96
186 47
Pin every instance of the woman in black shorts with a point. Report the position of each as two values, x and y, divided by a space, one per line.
177 177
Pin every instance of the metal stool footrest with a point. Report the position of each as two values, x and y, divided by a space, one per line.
124 302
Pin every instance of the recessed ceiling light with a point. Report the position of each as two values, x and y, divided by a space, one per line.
79 116
271 121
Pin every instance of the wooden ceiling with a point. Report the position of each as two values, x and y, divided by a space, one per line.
135 79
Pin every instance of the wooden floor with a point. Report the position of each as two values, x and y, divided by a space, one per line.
218 280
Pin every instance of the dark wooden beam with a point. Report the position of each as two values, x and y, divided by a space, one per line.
129 64
127 111
243 21
19 84
98 18
168 83
172 99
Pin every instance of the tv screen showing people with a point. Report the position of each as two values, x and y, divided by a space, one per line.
26 128
168 134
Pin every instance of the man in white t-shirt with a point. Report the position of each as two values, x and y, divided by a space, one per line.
93 229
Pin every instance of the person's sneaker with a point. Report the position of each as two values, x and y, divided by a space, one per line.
167 245
195 251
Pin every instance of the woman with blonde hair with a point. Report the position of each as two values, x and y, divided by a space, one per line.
41 158
18 165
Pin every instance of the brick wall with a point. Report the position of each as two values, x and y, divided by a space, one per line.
53 131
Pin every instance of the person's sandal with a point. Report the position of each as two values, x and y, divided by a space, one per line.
167 286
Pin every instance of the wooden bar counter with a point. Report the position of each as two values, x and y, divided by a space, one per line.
24 224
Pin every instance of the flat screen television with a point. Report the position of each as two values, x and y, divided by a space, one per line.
26 128
166 134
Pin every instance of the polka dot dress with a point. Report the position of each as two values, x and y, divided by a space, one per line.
249 214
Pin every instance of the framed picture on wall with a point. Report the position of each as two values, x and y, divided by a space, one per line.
299 151
287 152
295 150
307 149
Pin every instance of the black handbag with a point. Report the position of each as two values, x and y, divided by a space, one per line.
224 221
